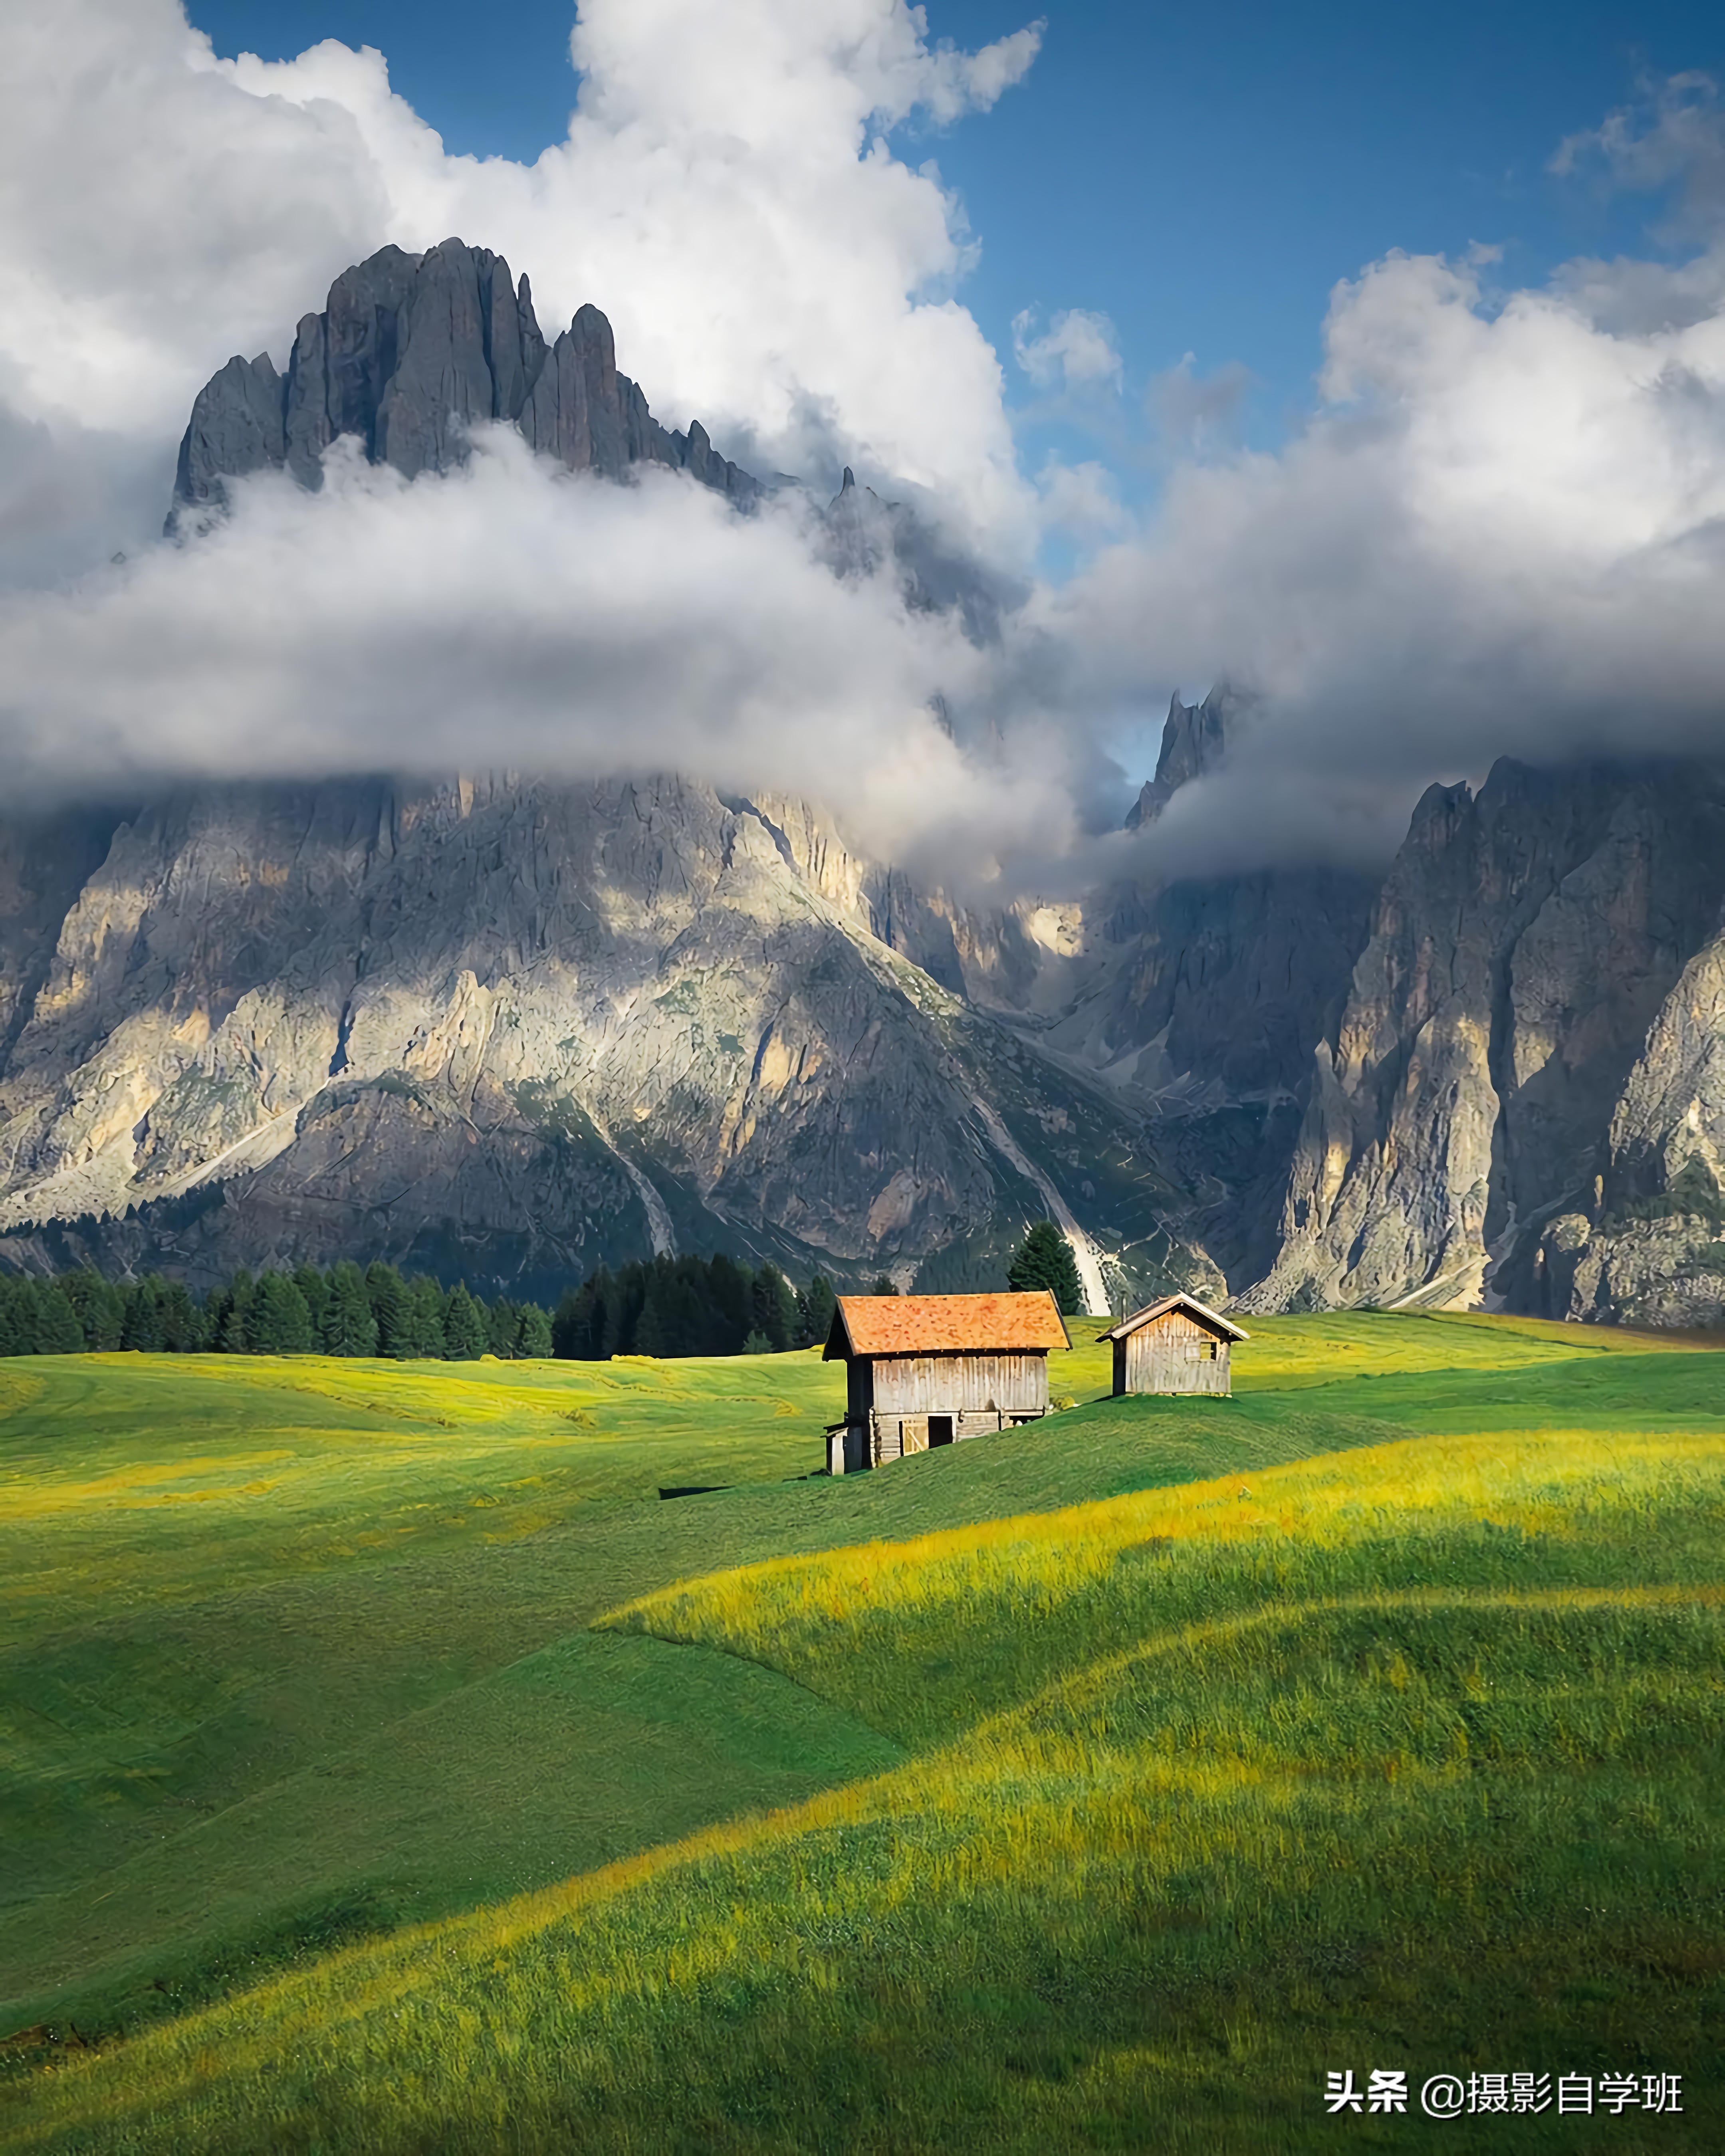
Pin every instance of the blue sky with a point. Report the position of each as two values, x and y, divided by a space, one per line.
1202 176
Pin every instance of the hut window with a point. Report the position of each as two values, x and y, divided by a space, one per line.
1201 1351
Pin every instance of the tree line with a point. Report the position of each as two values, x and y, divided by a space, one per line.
690 1306
661 1306
342 1311
670 1307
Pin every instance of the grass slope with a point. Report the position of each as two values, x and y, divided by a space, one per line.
298 1651
1272 1814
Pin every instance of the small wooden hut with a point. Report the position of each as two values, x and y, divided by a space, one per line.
926 1370
1178 1345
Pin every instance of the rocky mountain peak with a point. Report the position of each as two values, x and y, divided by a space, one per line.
409 351
1195 740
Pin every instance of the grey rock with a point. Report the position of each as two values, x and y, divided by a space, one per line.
452 1025
1524 944
409 351
237 427
1195 741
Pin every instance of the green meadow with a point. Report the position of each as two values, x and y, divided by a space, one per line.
543 1755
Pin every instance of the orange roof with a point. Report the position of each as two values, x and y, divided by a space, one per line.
944 1325
1201 1311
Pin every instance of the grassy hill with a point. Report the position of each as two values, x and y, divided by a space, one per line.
1102 1785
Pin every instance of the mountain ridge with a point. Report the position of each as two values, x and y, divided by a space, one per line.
507 1030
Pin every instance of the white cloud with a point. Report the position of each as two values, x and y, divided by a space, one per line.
1675 132
725 195
1081 498
1199 413
1077 351
508 615
1504 533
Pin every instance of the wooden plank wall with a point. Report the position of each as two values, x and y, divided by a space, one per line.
948 1385
1176 1354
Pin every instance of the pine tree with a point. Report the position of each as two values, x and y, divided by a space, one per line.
815 1307
388 1299
730 1296
101 1308
572 1326
183 1332
1044 1260
533 1339
316 1289
773 1308
277 1322
348 1326
883 1285
421 1336
502 1325
17 1315
58 1329
235 1338
141 1327
464 1326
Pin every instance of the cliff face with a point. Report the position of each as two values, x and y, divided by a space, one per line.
1521 948
508 1030
409 350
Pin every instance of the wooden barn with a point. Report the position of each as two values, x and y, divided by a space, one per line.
930 1369
1177 1345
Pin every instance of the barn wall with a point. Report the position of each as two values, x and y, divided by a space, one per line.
945 1384
1175 1353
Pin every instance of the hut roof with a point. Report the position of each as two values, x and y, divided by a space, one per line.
944 1325
1192 1308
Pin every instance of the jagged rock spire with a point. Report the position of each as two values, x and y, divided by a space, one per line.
1195 740
409 350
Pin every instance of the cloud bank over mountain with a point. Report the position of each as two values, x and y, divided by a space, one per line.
1500 530
505 614
1503 532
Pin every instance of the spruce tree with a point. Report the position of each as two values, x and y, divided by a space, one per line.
183 1325
773 1308
1044 1260
572 1326
101 1308
464 1326
883 1286
388 1298
730 1295
532 1338
59 1331
502 1326
349 1327
141 1327
815 1308
234 1336
421 1336
277 1322
316 1289
17 1315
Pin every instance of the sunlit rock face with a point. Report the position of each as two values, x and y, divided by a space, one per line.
1509 1057
507 1030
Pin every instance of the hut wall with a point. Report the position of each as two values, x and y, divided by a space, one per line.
921 1385
1175 1354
